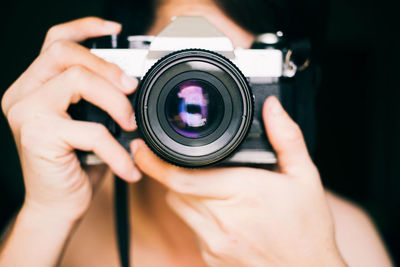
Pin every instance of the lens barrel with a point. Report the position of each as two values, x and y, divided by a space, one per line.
194 108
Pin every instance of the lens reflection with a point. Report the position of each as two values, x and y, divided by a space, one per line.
194 108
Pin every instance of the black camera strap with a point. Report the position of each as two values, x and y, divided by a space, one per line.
122 220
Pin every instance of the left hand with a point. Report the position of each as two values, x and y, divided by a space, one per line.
254 217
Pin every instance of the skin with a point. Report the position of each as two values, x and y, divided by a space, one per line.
217 204
213 217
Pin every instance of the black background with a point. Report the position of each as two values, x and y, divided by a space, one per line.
357 104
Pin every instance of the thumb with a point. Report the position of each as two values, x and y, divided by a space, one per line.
149 163
286 139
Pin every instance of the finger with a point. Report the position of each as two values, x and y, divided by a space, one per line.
218 183
59 57
80 29
286 138
77 83
89 136
64 54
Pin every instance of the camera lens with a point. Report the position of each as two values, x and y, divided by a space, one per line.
194 108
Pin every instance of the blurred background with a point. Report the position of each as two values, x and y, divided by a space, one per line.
357 103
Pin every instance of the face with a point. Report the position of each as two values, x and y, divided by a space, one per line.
167 9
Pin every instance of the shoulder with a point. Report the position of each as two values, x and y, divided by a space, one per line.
356 235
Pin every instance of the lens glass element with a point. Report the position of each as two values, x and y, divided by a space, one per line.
194 108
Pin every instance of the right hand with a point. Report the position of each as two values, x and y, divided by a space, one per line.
36 108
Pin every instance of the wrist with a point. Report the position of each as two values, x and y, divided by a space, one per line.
52 213
35 214
37 234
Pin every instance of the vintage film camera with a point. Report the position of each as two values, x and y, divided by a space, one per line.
199 100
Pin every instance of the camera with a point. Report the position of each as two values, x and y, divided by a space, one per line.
199 100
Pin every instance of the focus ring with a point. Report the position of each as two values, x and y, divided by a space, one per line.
235 84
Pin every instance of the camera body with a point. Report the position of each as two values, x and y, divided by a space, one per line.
199 100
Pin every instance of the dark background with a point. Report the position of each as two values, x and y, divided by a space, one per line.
357 103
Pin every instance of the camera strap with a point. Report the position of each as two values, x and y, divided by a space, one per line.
122 220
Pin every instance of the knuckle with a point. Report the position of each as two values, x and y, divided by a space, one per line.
294 133
4 102
76 73
14 114
313 171
58 49
53 31
99 132
92 19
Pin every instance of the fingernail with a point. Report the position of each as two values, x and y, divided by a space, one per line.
129 83
133 121
112 25
136 175
275 106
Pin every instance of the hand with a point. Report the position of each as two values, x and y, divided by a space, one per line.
254 217
36 108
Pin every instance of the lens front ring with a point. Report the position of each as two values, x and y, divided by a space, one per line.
205 66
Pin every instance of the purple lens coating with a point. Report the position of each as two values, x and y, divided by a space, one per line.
194 108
